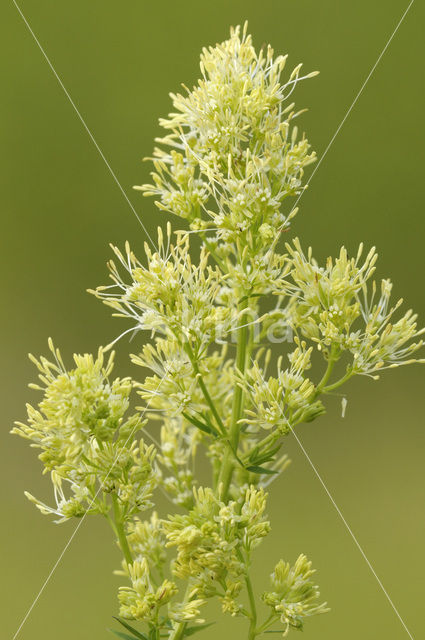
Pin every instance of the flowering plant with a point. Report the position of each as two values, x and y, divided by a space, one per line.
230 159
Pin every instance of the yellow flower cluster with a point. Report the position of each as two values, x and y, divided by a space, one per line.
142 601
229 160
215 539
232 155
85 442
294 596
332 307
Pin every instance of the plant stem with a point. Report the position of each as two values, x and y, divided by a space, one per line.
266 624
337 384
178 632
204 389
119 526
228 464
253 624
333 357
211 250
268 441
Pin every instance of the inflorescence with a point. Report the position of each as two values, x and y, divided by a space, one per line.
230 158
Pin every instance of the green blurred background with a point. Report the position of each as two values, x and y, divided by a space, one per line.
60 208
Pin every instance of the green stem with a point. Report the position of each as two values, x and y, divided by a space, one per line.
266 624
204 389
267 442
228 464
211 250
252 627
157 630
337 384
119 527
178 632
333 357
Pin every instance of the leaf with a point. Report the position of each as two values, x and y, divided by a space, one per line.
121 634
89 462
206 420
266 456
273 631
235 454
254 453
255 469
191 630
136 634
201 425
250 295
262 459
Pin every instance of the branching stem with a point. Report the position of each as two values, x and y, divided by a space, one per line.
225 477
340 382
204 389
119 528
266 624
333 357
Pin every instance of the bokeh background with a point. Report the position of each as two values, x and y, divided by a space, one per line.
60 208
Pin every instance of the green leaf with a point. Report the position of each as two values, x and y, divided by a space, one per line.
258 458
205 419
238 460
121 634
89 462
255 469
191 630
254 453
136 634
250 295
201 425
